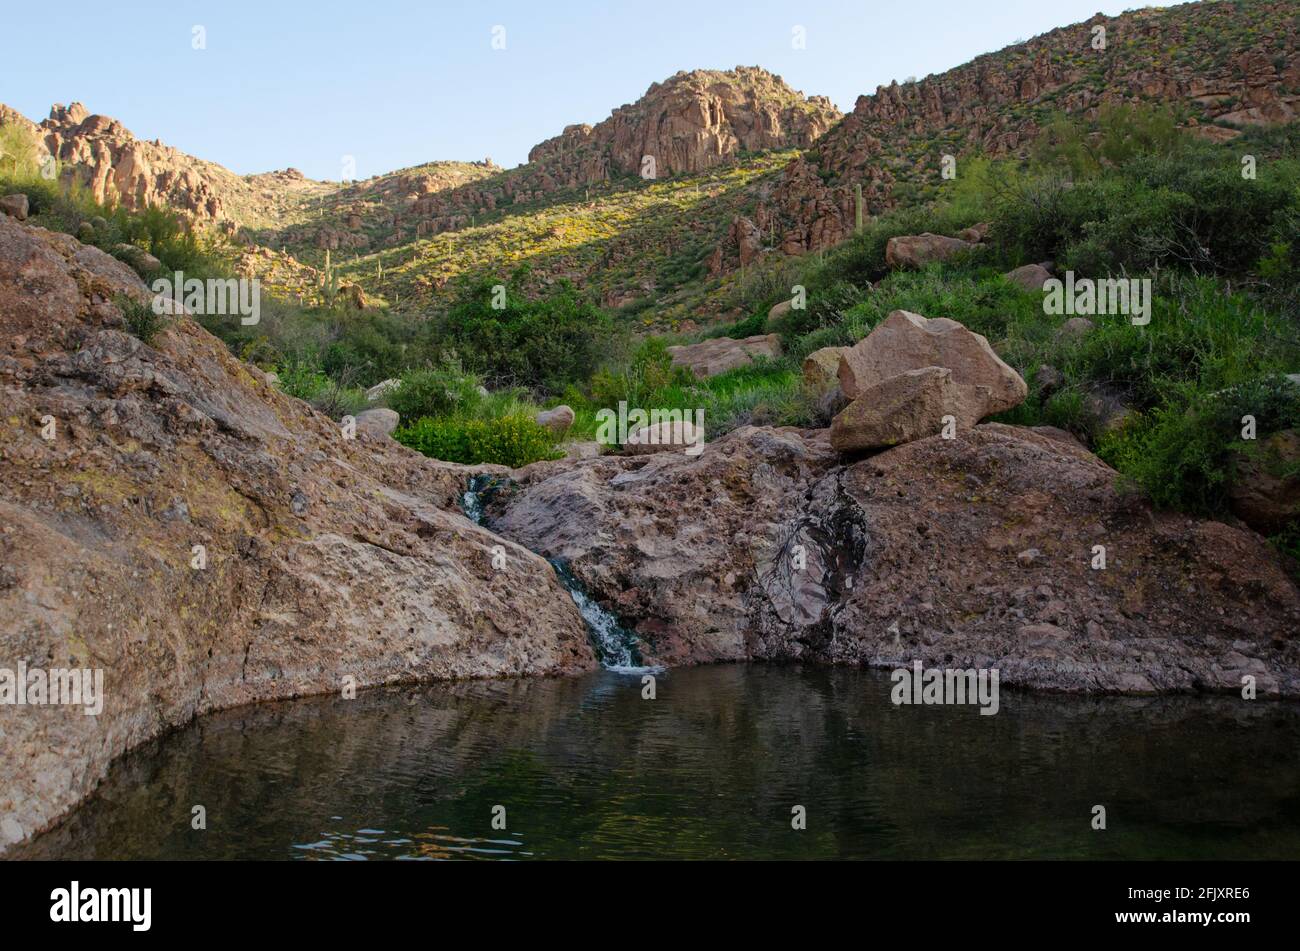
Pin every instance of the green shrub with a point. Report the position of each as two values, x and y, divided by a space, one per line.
446 390
543 343
508 440
141 321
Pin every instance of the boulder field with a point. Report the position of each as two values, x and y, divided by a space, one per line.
171 518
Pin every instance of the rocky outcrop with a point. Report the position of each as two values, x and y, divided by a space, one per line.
688 123
172 519
719 354
767 547
114 166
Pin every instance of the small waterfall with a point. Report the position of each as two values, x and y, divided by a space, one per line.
615 646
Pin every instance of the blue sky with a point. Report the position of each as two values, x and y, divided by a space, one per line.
395 84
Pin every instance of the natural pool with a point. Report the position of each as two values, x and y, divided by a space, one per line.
710 768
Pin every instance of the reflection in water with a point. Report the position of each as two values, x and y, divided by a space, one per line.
585 768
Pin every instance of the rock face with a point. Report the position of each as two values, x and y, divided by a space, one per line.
688 123
323 558
912 554
918 250
904 407
905 341
719 354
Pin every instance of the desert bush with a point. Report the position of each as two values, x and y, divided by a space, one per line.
508 440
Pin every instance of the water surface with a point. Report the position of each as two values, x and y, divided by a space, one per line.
711 768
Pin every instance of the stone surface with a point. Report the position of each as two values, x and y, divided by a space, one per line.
1074 329
669 436
1031 277
821 368
15 206
918 250
905 407
1262 495
558 419
378 423
382 389
719 354
911 554
325 557
906 341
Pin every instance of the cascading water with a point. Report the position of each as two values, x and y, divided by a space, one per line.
615 646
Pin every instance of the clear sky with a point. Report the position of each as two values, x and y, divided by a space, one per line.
285 82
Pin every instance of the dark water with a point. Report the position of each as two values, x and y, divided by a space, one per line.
586 768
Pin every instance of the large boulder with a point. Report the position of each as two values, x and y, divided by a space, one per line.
666 436
821 368
1263 494
769 546
377 423
918 250
15 206
326 561
719 354
905 407
558 420
905 341
1030 277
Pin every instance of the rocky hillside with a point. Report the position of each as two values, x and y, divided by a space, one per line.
115 166
689 123
1220 65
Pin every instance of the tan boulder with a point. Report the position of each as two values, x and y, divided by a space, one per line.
558 419
377 422
15 206
821 368
711 357
976 233
905 407
1031 277
918 250
905 341
664 436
